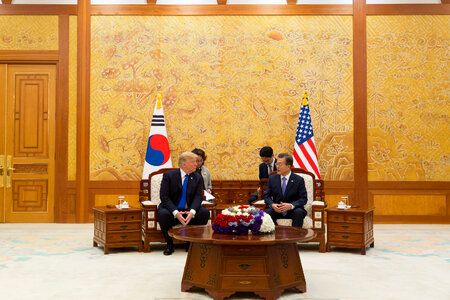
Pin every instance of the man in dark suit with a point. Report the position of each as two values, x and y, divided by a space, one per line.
181 198
267 166
286 195
268 162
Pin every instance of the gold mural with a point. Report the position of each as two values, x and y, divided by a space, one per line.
408 98
28 33
72 132
231 85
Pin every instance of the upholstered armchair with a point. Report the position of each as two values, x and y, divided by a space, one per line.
149 199
315 206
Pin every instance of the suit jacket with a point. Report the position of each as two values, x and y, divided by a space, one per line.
206 177
264 171
171 188
295 193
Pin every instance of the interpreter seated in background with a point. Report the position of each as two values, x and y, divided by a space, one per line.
267 166
201 169
181 198
286 196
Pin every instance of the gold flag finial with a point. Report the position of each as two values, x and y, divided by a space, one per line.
159 96
305 98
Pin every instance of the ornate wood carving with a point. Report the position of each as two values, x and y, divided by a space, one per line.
6 1
222 2
29 195
31 117
31 168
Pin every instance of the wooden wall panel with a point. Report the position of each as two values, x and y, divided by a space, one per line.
112 199
220 10
404 204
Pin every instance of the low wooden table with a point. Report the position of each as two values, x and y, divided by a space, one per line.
350 228
224 264
114 228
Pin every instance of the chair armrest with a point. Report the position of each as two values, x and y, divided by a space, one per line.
148 203
208 204
318 215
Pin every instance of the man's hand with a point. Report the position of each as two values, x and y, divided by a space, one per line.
181 218
283 206
276 208
184 217
188 217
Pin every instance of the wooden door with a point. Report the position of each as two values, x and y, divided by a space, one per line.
27 153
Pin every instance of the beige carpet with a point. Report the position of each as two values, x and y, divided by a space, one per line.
57 261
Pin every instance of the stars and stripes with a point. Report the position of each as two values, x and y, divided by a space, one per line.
305 154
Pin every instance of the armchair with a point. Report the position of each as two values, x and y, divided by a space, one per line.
315 206
149 199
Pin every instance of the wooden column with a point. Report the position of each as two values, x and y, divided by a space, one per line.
83 90
62 105
360 103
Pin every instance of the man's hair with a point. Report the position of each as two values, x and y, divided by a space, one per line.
200 152
266 152
185 156
288 158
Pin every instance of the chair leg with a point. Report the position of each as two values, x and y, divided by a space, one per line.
146 244
322 244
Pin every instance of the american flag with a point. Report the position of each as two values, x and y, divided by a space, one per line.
305 154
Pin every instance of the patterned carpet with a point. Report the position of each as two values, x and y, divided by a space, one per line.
57 261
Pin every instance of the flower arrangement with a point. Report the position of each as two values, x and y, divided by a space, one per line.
240 220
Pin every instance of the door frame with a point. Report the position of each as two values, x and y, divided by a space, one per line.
12 141
61 62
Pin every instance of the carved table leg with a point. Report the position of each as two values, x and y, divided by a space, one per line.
301 287
95 244
218 295
363 250
186 287
372 245
272 295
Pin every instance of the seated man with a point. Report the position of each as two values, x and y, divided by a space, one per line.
181 198
267 166
286 195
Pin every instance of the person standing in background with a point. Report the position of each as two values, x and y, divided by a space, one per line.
202 170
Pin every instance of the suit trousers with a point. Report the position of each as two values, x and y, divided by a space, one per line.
166 220
296 215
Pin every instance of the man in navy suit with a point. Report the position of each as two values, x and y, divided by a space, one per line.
181 198
286 195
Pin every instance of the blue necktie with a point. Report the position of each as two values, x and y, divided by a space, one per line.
182 203
283 189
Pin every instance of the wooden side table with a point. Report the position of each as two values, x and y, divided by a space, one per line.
115 228
350 228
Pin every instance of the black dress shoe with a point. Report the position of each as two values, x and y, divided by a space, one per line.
169 249
186 247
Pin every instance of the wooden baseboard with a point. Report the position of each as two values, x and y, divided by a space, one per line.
386 219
